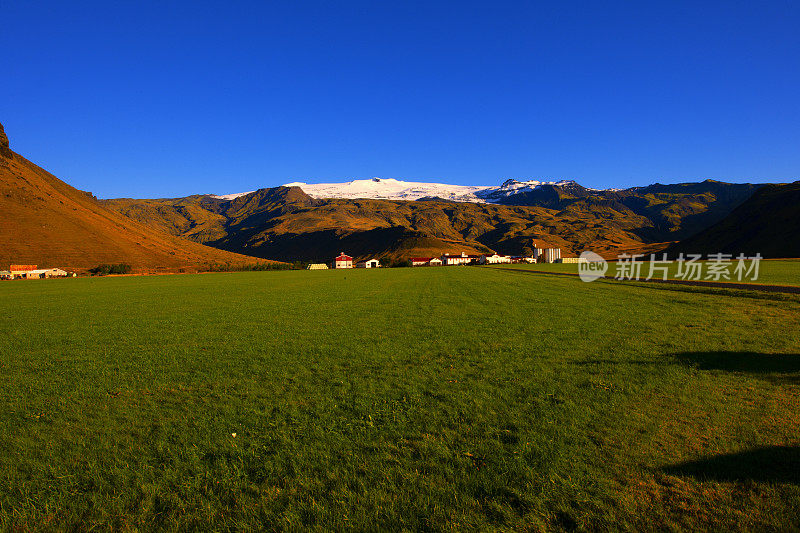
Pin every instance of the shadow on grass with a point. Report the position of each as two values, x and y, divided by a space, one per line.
780 464
784 367
613 362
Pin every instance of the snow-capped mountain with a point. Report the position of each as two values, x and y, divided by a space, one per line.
392 189
511 187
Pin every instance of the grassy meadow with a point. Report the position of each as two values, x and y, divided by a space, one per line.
425 399
770 271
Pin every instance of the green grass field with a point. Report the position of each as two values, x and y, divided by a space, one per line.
771 272
425 399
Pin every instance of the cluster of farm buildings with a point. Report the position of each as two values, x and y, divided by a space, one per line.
539 255
31 272
345 261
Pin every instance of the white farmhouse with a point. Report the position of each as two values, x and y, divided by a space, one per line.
494 259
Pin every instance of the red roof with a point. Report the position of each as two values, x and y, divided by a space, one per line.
344 258
22 267
418 259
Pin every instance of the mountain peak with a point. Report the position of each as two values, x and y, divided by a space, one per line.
4 147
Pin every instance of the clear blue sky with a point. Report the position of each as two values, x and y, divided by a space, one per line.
154 99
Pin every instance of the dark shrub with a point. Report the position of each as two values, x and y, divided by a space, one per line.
104 270
253 267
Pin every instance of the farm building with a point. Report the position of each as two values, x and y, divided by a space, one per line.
42 273
494 259
5 274
462 259
21 271
31 272
343 261
317 266
550 255
426 261
370 263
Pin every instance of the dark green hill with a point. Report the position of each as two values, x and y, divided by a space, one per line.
768 223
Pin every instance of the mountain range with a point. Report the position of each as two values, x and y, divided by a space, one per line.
392 189
313 222
45 221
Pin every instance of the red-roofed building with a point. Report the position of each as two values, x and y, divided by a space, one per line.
19 269
31 272
343 261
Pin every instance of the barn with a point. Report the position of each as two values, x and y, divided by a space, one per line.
31 272
370 263
343 261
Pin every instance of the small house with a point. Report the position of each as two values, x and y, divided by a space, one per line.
421 261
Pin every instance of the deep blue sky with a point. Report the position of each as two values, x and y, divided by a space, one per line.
153 99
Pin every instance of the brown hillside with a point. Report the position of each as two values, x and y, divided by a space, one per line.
45 221
286 223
